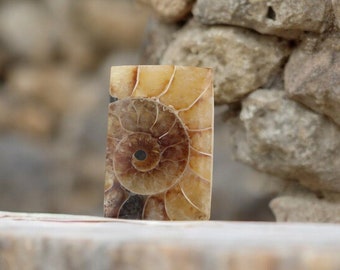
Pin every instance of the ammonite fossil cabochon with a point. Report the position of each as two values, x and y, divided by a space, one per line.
159 143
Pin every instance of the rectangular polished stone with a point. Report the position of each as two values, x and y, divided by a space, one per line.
159 143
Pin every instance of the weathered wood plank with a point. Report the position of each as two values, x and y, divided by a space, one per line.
46 241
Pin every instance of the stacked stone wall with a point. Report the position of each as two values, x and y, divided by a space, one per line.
277 67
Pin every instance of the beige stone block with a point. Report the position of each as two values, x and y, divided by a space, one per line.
58 242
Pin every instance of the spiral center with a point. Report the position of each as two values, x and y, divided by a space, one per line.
153 145
140 155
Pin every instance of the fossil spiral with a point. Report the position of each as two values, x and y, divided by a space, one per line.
159 143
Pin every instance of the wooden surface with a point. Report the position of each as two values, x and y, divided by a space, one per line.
46 241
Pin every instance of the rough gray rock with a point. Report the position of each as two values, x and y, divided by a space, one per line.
336 11
158 37
25 30
38 96
239 192
297 204
31 175
170 10
312 76
283 18
242 60
107 24
282 137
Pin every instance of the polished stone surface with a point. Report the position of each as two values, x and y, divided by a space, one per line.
159 143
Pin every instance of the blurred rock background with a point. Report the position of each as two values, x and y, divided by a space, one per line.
54 76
